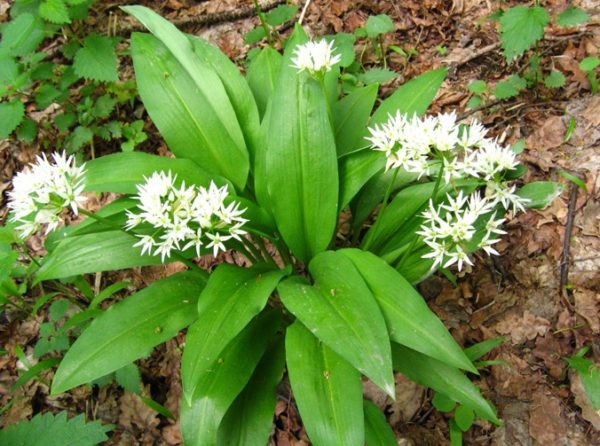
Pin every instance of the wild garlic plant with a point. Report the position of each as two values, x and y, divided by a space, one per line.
316 306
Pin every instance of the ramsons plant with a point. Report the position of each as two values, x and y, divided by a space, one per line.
315 303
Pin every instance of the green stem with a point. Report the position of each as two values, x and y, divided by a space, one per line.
327 104
384 204
106 221
263 22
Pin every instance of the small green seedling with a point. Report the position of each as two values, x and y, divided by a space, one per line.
589 65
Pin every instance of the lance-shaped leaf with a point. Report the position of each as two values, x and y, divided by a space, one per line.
443 378
223 381
90 253
129 330
249 420
122 172
409 320
232 297
377 430
301 163
188 103
326 388
237 89
341 311
262 76
351 115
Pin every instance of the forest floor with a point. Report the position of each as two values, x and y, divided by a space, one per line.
542 294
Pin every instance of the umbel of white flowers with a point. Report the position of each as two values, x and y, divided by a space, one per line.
43 190
418 145
315 57
184 217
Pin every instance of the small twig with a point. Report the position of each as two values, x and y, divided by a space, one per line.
564 263
303 12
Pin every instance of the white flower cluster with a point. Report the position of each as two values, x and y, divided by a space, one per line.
184 217
42 191
449 229
315 57
414 143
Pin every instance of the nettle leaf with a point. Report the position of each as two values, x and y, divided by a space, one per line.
572 16
540 193
54 11
54 430
327 389
555 79
281 14
130 329
377 76
232 297
510 87
22 35
341 311
97 59
11 115
409 320
255 35
27 131
80 137
379 24
589 63
343 44
223 381
520 28
477 86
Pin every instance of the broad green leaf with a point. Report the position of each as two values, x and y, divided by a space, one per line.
356 170
255 35
249 420
90 253
129 378
232 297
412 97
236 87
22 35
379 24
186 99
377 76
262 76
54 430
520 28
350 117
27 130
572 16
476 351
590 378
442 378
54 11
540 193
341 311
377 430
409 320
121 172
464 417
129 330
326 388
96 59
11 115
301 163
223 381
